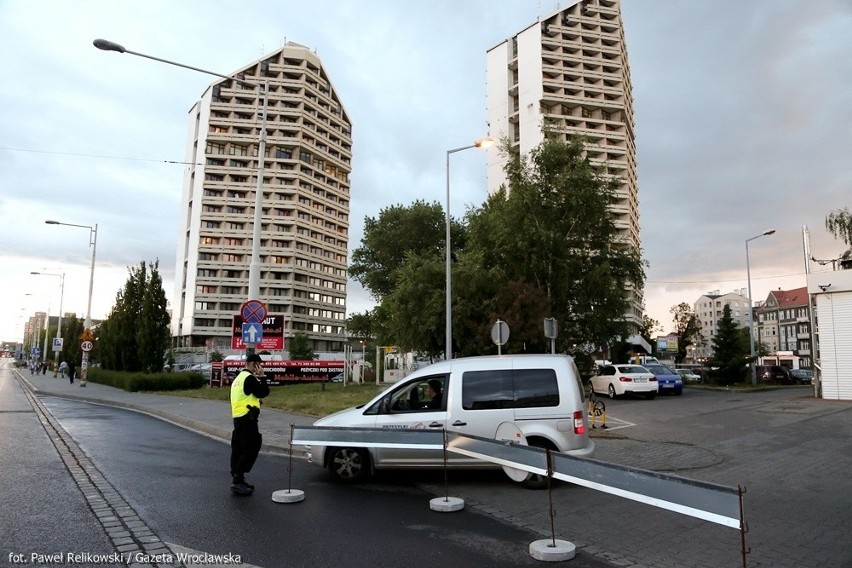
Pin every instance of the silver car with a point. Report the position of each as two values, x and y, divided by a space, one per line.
540 394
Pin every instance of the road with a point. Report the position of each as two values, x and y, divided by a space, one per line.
175 482
791 452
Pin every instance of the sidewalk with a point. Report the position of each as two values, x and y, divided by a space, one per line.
210 417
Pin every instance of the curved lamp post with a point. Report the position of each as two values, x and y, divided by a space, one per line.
752 369
254 266
485 142
87 326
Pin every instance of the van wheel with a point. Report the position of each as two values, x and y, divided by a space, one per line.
349 465
535 481
611 391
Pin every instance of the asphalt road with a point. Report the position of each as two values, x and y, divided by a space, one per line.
177 482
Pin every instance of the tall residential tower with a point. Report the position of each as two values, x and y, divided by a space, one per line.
569 72
305 203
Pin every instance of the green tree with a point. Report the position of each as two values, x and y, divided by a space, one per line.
687 328
135 335
300 348
554 237
839 224
650 326
396 235
731 349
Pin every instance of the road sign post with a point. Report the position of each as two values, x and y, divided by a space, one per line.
253 312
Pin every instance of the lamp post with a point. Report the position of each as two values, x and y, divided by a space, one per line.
254 266
752 369
87 326
485 142
61 296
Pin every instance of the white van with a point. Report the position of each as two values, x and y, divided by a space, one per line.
540 394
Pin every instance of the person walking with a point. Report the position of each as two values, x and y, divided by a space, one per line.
71 371
63 368
247 390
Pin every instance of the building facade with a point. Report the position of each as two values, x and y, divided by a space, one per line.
304 234
832 293
569 73
709 309
784 324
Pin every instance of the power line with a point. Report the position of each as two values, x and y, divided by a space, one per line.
100 156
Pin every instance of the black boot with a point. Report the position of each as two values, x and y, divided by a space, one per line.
240 487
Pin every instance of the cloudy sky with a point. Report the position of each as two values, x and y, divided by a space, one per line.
743 121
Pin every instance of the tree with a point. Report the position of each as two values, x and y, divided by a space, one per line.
398 234
300 347
687 328
650 326
553 236
839 224
135 335
731 349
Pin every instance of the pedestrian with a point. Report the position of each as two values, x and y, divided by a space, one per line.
63 367
71 371
247 390
44 368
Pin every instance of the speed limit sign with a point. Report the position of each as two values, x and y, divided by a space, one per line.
86 346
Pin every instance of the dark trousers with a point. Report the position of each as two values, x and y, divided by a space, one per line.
245 445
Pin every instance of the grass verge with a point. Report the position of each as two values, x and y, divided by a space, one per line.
308 398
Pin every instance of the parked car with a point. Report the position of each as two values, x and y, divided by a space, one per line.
688 376
774 374
617 380
802 376
541 394
668 382
338 378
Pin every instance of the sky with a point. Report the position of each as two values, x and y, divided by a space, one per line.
743 124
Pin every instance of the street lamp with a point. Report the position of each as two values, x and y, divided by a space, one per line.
254 266
485 142
87 326
61 296
752 369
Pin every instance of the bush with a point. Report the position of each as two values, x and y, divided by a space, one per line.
134 382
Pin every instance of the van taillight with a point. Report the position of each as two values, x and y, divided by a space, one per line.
579 423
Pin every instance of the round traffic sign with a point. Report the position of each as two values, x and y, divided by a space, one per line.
253 311
500 333
86 346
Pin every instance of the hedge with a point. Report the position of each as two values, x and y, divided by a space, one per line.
135 382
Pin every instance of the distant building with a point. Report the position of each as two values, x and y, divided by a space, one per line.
709 309
784 324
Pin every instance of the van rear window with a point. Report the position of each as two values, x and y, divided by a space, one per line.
521 388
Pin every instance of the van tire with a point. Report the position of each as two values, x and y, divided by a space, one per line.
535 481
349 465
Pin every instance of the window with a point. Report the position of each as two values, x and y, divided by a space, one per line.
424 395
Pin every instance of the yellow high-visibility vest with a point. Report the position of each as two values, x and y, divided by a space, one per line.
240 401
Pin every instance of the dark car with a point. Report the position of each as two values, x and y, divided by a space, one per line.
774 374
802 376
668 382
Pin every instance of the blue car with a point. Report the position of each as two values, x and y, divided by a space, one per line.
668 382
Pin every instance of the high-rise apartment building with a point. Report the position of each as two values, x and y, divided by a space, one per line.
569 72
304 233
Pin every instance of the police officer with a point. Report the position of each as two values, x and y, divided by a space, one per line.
247 390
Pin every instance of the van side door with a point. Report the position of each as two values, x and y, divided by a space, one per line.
413 406
487 400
